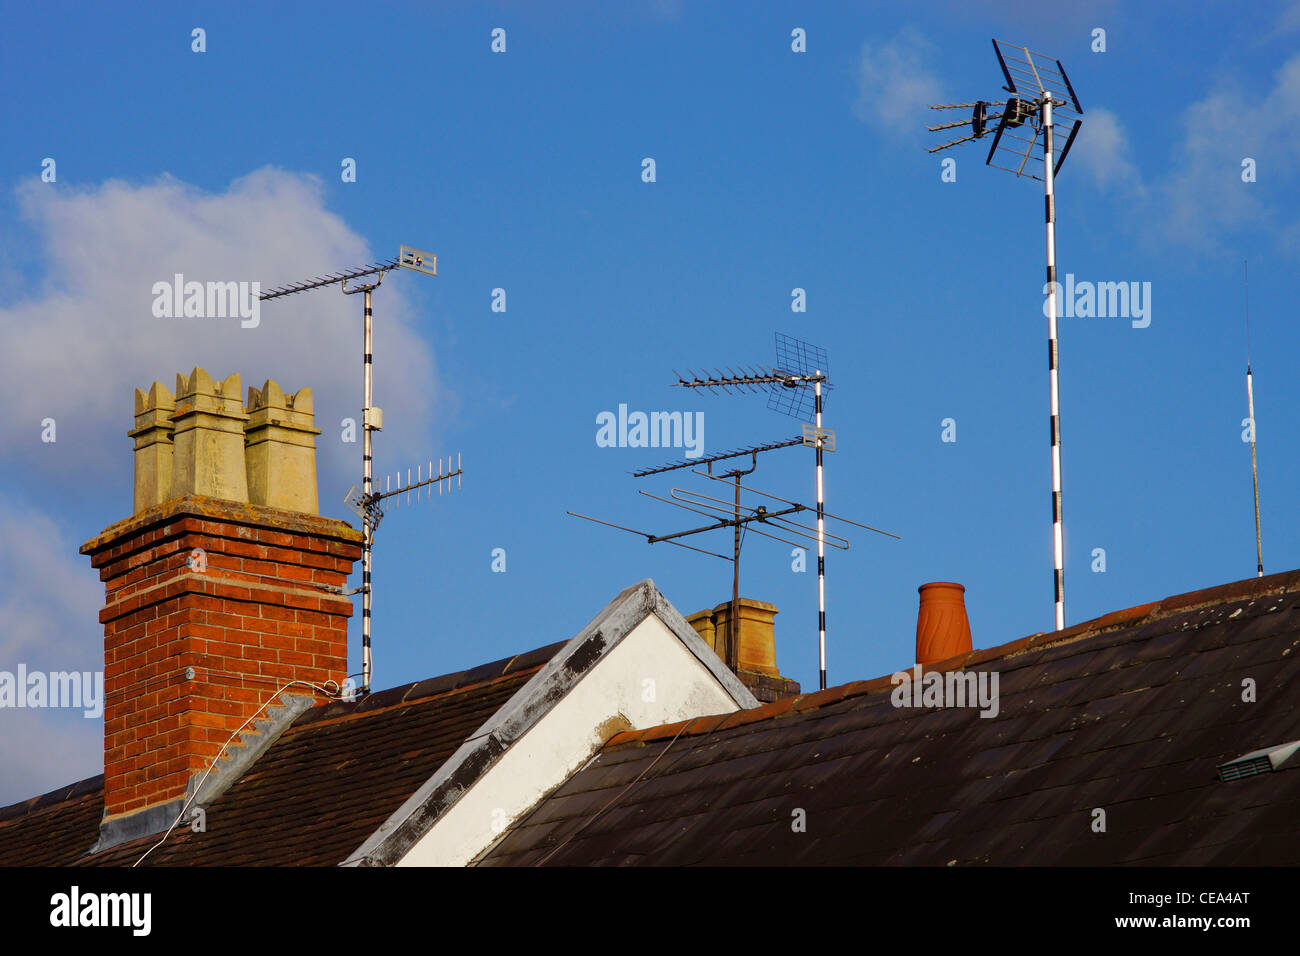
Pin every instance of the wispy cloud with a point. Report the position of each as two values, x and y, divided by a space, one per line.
1204 195
1289 20
1102 150
896 81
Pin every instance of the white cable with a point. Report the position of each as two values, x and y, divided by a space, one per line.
337 694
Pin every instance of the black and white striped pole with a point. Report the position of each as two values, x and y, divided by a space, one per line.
1053 368
801 368
372 418
1038 88
821 535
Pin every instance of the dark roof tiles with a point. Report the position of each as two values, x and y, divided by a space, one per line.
1130 713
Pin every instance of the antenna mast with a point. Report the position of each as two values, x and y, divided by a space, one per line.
367 503
1032 111
731 513
799 366
1250 411
695 502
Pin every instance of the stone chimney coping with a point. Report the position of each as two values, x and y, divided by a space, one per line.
291 522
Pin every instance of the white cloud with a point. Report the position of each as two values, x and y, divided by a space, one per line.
79 345
1102 150
50 601
896 83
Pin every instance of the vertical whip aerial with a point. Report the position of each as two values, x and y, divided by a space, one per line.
1038 89
1250 412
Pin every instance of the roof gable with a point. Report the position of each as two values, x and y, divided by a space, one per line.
593 688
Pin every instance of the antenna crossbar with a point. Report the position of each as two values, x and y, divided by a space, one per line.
677 493
737 381
696 462
295 287
768 494
444 476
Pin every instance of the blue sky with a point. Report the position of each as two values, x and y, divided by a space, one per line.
775 170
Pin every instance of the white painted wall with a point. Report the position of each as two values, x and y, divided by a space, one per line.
567 736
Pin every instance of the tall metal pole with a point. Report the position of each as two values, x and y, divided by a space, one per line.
1254 472
367 482
733 640
733 619
1250 410
821 539
1058 536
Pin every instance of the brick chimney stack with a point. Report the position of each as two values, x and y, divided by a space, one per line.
217 590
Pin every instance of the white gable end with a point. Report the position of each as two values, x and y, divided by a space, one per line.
649 679
637 664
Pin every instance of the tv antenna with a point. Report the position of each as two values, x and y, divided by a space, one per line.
732 513
1039 90
800 367
366 502
1250 410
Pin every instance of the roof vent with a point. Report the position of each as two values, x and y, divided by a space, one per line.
1265 760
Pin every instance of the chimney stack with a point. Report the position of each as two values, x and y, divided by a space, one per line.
756 651
220 588
942 628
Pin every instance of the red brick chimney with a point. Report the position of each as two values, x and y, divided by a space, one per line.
213 601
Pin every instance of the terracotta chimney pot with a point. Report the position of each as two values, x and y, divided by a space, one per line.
942 628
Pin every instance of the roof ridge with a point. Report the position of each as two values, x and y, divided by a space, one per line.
428 687
69 791
356 713
1130 617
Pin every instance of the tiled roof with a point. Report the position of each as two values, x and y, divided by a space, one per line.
326 784
1130 713
53 829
